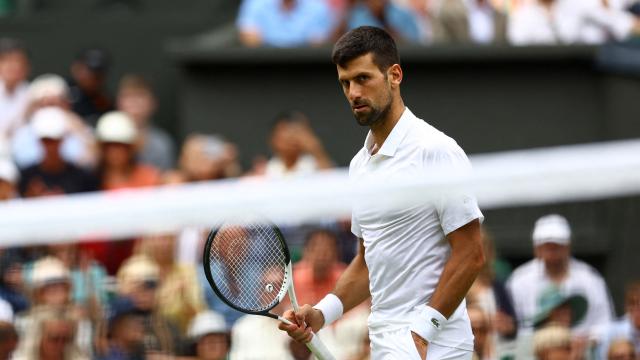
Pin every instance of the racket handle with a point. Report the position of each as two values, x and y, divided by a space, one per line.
316 346
318 349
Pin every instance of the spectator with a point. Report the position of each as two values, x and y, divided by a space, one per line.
119 167
569 22
180 295
136 99
272 344
125 333
53 175
14 93
9 176
490 294
296 149
8 339
209 337
208 157
629 326
469 21
284 23
621 350
88 278
50 338
11 282
138 281
316 274
553 266
552 343
51 289
88 76
398 21
482 332
78 147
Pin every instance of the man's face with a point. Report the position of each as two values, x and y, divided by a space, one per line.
14 67
88 80
322 254
367 89
553 255
56 294
213 347
51 147
138 103
56 335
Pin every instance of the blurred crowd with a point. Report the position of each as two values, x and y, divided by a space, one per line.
148 298
289 23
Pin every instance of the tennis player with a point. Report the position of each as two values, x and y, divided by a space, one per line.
418 263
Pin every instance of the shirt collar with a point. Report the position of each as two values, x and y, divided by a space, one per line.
391 144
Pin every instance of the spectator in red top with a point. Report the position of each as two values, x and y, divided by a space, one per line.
118 169
316 274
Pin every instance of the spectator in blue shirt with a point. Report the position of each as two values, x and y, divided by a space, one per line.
284 23
398 21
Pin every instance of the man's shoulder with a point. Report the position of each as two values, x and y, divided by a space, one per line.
523 272
583 271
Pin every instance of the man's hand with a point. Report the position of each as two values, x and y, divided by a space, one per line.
421 344
304 321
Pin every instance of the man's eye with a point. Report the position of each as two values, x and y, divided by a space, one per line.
362 78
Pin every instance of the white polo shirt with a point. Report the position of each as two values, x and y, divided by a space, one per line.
406 250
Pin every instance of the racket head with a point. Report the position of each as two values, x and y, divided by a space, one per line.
248 266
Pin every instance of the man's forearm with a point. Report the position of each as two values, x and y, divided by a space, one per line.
352 287
466 261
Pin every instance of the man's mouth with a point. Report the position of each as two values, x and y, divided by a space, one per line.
360 107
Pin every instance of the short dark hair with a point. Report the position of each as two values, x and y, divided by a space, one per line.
10 45
364 40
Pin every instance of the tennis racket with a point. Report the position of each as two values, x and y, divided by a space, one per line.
249 267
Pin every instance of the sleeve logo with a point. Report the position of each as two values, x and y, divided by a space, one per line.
435 323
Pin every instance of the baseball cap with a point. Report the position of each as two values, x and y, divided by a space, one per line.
8 171
116 126
552 228
95 59
49 270
47 86
50 123
207 322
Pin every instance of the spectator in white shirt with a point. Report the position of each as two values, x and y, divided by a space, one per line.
548 22
554 266
14 70
78 147
627 328
296 149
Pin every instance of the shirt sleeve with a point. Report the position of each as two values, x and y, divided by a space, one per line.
249 15
458 208
355 227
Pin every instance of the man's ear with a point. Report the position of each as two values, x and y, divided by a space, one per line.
394 74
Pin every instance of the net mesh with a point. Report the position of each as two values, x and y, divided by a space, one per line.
248 265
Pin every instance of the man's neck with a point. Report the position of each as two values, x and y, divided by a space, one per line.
559 274
382 129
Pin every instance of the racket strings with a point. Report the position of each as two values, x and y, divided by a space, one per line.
247 265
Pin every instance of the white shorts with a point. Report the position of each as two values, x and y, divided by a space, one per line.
399 345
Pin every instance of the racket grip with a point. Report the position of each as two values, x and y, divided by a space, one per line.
318 349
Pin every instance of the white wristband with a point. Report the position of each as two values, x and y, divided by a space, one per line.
428 323
331 308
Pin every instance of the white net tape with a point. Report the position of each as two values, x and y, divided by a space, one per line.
528 177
